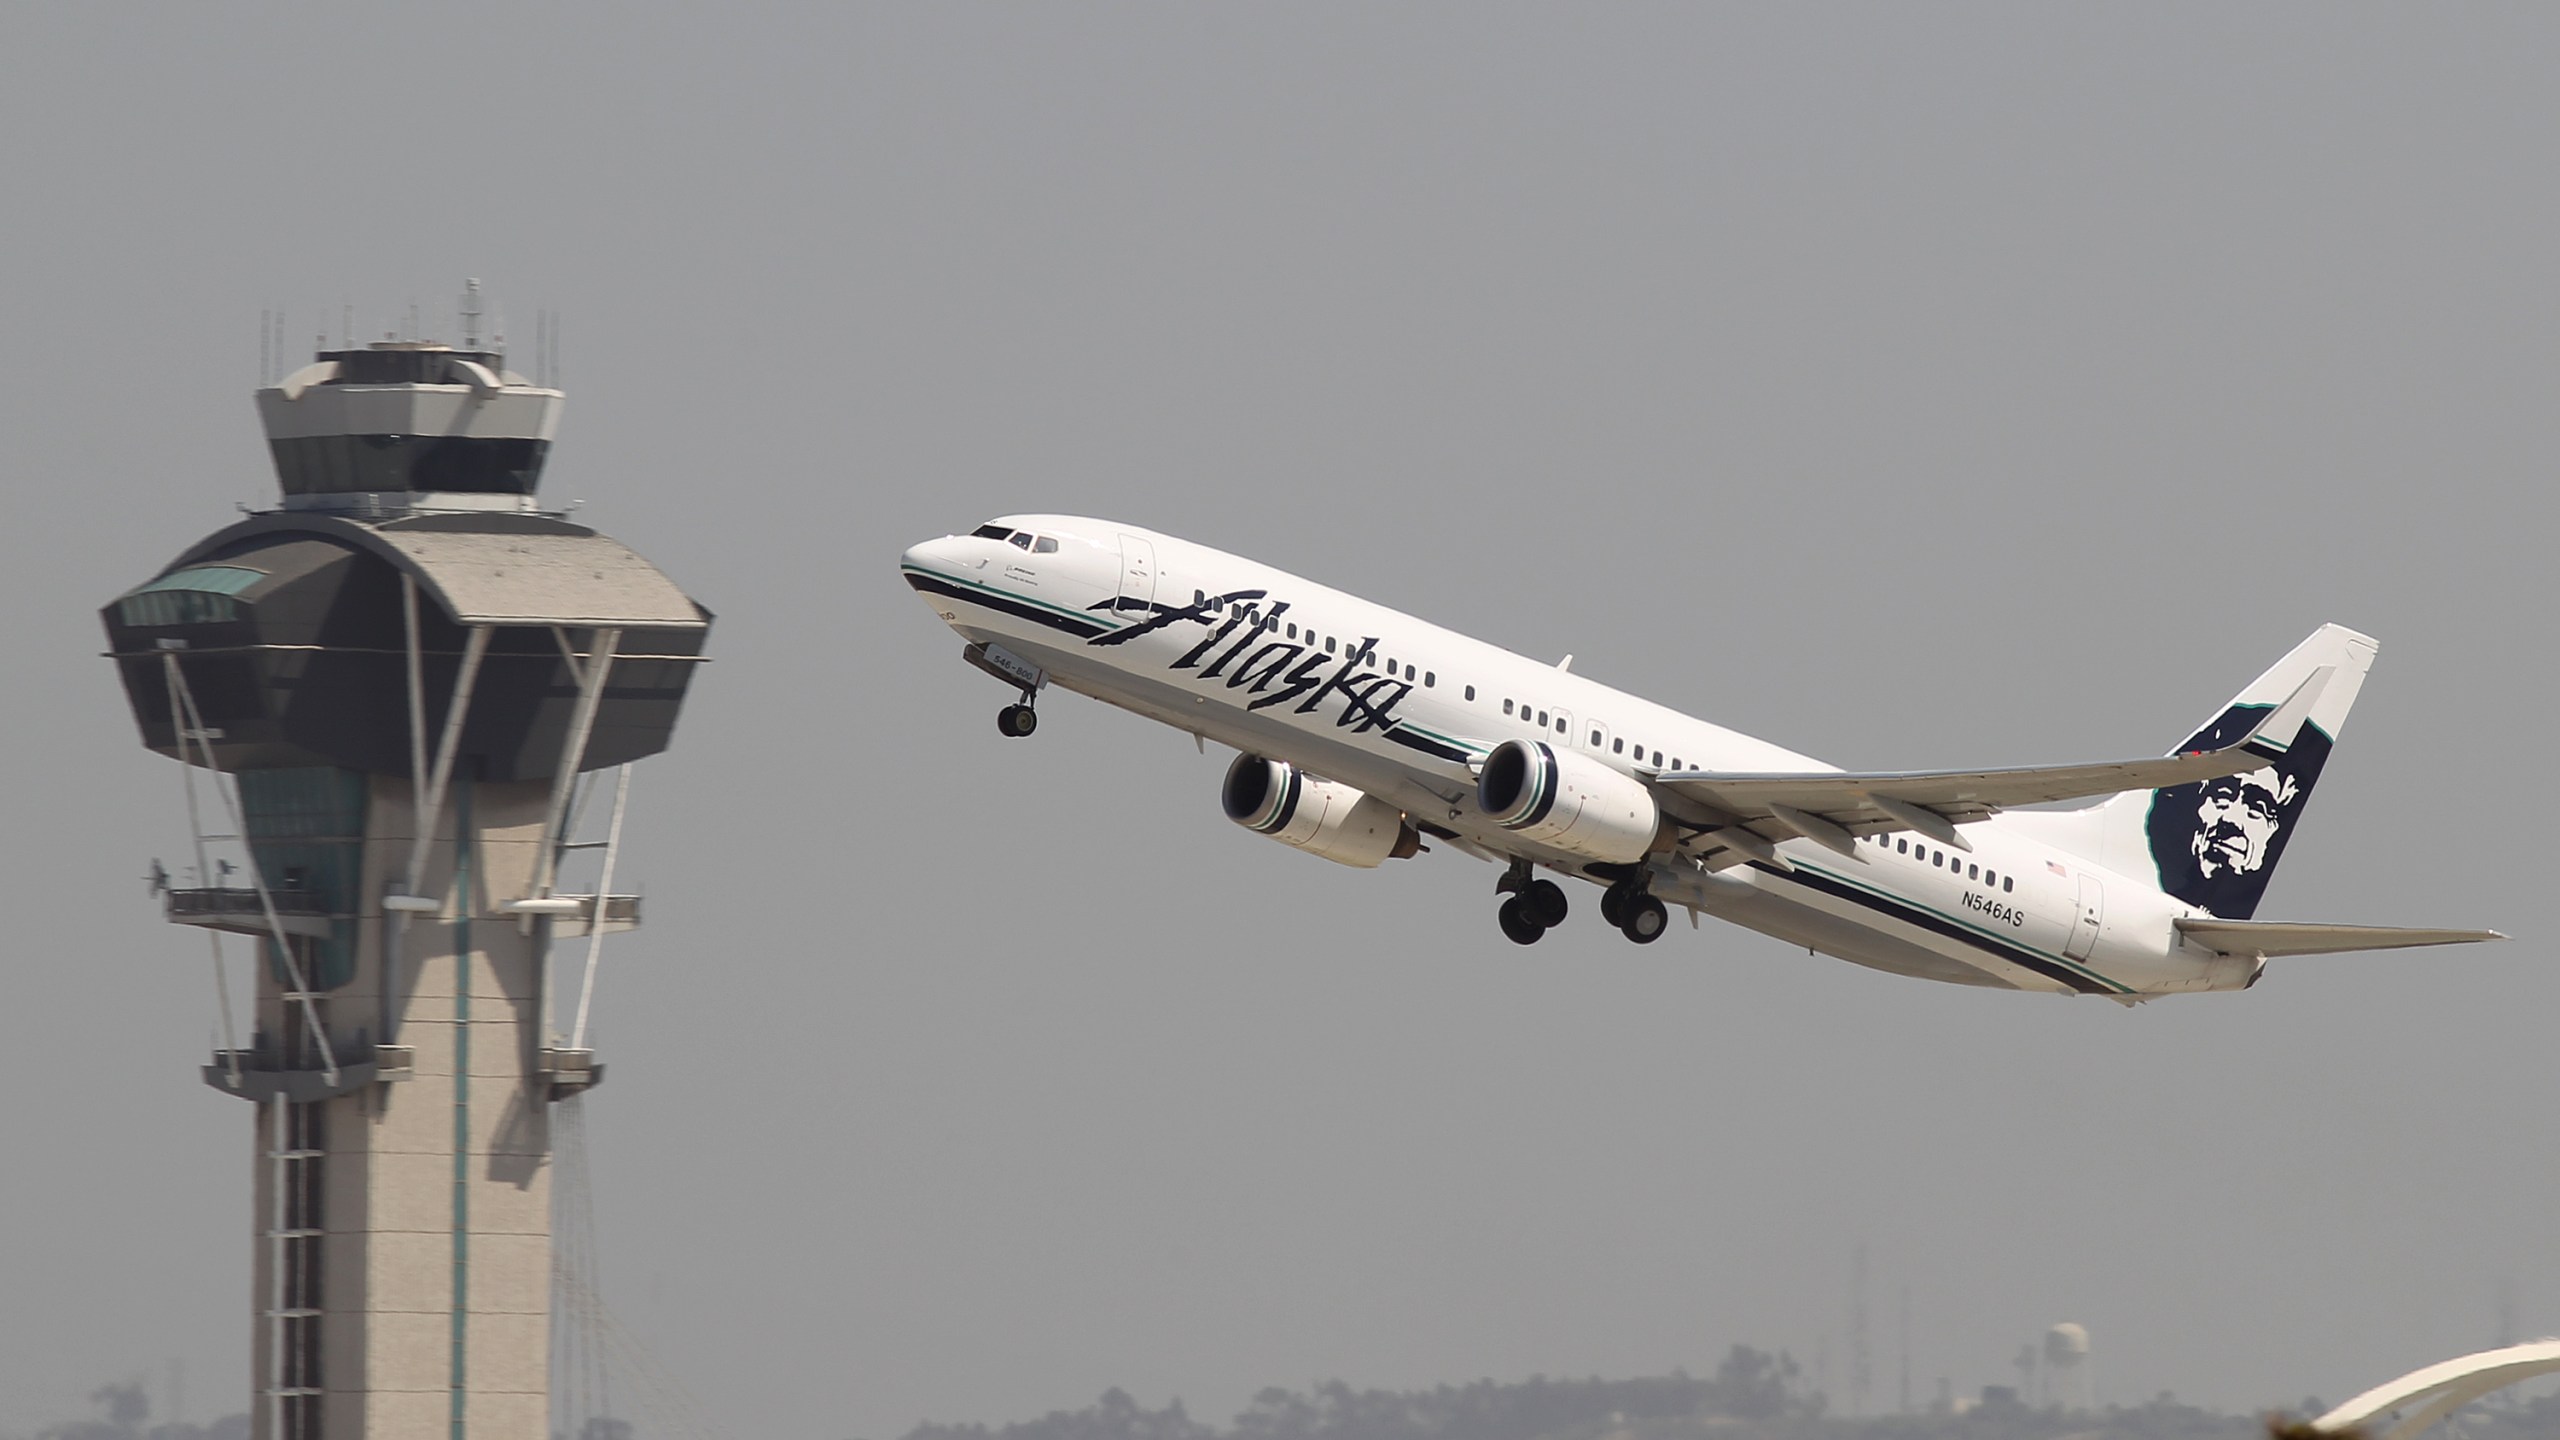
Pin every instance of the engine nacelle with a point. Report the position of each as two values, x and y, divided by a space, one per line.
1568 800
1342 823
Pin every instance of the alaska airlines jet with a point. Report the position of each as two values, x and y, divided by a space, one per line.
1361 731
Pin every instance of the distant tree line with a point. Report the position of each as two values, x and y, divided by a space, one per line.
1754 1395
126 1415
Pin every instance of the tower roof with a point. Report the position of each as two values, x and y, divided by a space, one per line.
497 569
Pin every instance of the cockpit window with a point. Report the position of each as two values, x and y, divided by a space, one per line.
1019 539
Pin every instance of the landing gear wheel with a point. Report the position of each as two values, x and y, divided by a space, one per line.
1016 721
1645 919
1613 906
1516 923
1545 903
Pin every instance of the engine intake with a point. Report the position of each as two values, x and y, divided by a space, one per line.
1568 800
1342 823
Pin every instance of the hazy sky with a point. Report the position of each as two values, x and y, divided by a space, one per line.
1915 386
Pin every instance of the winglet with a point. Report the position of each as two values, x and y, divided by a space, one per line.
2275 735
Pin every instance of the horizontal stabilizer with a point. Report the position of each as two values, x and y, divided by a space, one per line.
2276 937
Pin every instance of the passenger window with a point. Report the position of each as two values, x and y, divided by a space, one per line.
1938 859
1293 632
1973 872
1429 680
1559 724
1471 692
1542 719
1328 644
1408 672
2009 882
1044 546
1595 737
1617 747
1901 847
1657 757
1506 707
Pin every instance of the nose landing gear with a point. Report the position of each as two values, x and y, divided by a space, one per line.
1016 720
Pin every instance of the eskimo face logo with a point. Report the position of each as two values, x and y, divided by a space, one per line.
2239 816
2216 842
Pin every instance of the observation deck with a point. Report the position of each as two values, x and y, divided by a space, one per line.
237 910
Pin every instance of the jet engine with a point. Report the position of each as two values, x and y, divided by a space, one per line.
1345 825
1569 801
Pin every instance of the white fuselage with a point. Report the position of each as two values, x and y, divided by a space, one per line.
1279 666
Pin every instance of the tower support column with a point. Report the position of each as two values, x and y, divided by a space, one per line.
431 1188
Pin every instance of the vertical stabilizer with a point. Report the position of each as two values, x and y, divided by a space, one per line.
2216 843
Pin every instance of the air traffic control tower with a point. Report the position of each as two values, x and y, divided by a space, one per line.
401 675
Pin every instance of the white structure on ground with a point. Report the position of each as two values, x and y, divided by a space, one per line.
2068 1378
2425 1398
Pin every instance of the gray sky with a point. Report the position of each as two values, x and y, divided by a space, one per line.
1912 386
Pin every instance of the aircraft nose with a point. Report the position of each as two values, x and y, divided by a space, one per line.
929 554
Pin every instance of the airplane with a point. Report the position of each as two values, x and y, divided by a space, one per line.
1362 733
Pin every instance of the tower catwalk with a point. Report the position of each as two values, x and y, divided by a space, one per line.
401 673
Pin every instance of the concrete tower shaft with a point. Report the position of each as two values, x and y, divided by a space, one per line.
425 1253
401 676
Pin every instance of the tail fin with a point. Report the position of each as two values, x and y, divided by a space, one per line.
2216 844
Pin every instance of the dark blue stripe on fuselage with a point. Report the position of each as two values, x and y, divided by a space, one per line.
1428 746
1082 629
1938 925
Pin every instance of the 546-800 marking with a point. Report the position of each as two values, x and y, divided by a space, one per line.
1999 910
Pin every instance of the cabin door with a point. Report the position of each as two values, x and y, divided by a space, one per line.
1137 577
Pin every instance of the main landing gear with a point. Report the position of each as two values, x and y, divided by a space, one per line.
1637 915
1532 908
1016 721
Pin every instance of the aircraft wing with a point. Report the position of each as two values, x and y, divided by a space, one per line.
2277 937
1833 807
